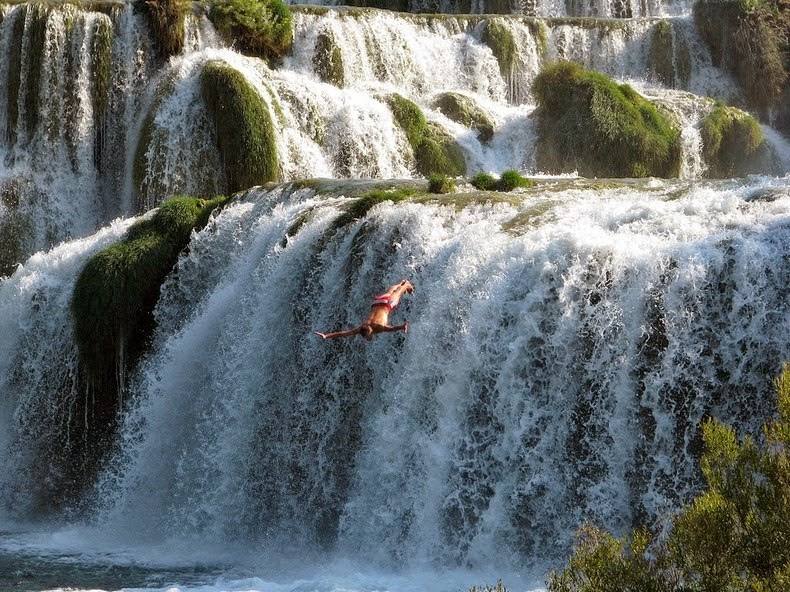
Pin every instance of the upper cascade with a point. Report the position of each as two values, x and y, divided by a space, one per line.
534 8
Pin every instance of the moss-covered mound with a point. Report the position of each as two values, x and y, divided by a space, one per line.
440 184
166 21
588 123
499 38
360 207
508 181
732 142
328 59
116 291
261 28
750 39
243 126
465 111
670 58
435 151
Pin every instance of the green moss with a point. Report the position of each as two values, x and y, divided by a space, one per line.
36 15
360 207
484 182
101 56
732 142
750 39
244 129
464 110
588 123
435 151
670 60
328 60
261 28
118 287
498 37
511 180
166 20
440 184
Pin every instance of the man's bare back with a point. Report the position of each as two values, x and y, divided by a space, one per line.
378 320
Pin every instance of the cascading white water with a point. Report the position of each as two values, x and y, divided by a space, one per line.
560 356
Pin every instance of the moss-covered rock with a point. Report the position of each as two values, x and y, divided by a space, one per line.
360 207
166 20
733 143
499 38
328 59
508 181
750 39
117 289
670 59
465 111
484 182
261 28
440 184
588 123
243 127
435 151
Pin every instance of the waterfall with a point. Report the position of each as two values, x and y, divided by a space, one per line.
562 351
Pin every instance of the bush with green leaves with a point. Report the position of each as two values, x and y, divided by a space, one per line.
440 184
735 536
588 123
261 28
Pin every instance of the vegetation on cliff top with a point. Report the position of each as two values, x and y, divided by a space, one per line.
261 28
166 20
735 536
588 123
244 129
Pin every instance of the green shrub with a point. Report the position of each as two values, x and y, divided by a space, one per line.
166 20
732 142
440 184
484 182
435 151
118 287
734 536
261 28
588 123
509 180
244 129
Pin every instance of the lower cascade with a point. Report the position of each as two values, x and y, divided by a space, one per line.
563 348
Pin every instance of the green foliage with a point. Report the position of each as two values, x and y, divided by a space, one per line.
360 207
435 151
118 288
101 55
750 39
498 588
243 126
166 20
670 60
510 180
734 536
484 182
261 28
588 123
440 184
465 111
732 142
328 60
